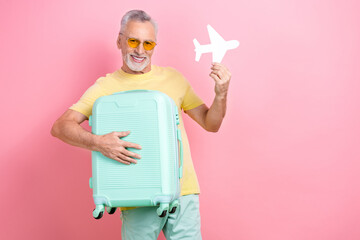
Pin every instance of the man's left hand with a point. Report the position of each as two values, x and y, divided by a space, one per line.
221 76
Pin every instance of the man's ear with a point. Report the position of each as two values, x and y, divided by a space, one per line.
118 41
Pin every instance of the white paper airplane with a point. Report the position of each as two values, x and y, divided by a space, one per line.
218 46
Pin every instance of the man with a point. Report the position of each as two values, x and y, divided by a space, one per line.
137 41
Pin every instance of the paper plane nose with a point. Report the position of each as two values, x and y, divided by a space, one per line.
236 43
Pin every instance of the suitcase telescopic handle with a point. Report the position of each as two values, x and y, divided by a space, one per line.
181 153
135 90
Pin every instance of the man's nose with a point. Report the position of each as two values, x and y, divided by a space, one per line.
140 49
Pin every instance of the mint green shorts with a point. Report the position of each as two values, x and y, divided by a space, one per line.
144 224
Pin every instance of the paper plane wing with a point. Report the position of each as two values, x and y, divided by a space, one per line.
215 38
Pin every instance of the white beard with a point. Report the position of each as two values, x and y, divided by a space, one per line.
136 67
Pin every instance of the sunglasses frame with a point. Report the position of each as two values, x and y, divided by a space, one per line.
139 42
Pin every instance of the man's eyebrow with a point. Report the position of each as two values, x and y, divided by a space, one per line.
146 40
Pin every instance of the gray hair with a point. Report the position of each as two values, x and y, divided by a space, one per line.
137 15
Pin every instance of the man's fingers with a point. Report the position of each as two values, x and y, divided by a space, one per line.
215 77
122 134
120 159
131 154
219 66
222 71
125 159
131 160
219 73
216 67
131 145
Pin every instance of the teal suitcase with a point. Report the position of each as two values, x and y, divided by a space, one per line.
152 119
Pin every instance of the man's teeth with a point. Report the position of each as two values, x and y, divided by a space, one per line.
138 58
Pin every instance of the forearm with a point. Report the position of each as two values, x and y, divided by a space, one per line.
72 133
216 113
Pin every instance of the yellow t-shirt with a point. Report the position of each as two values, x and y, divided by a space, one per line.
164 79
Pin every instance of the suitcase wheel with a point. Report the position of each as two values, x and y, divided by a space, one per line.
98 211
99 215
173 210
163 214
110 210
173 206
163 209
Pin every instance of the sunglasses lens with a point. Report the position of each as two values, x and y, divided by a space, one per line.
133 43
148 45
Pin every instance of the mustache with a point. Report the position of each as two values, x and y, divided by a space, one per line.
137 55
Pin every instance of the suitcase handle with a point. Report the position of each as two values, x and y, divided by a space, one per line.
136 90
181 153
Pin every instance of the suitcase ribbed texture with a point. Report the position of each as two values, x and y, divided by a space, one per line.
150 116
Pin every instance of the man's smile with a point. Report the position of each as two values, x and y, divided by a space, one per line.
137 59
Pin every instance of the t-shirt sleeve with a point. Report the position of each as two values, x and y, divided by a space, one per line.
190 100
86 102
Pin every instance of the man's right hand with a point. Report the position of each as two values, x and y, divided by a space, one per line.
68 129
111 146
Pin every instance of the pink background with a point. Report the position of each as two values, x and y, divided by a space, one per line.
285 164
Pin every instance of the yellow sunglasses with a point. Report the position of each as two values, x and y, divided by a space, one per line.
134 43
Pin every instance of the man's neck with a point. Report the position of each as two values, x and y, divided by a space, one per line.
126 69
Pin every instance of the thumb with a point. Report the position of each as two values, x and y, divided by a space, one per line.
122 134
